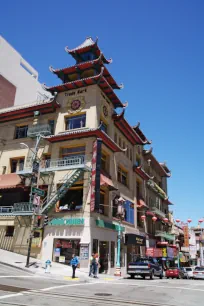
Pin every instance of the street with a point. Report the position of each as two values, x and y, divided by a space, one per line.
21 288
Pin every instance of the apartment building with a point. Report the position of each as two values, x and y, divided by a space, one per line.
89 157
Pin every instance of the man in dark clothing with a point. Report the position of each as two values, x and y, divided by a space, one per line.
74 263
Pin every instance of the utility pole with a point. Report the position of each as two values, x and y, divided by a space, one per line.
35 152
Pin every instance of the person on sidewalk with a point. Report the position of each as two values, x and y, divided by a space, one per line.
91 268
74 263
96 265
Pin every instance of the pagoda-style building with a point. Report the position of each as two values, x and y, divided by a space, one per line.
89 69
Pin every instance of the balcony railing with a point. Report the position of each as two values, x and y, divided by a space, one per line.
23 207
158 212
62 163
39 129
165 235
18 209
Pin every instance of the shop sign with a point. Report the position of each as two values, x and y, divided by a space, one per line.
170 252
69 222
186 236
84 251
57 252
135 239
95 175
164 252
154 252
62 259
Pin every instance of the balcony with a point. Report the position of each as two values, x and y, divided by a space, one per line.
157 189
158 212
165 235
72 162
18 209
39 129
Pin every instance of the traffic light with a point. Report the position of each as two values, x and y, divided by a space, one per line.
46 220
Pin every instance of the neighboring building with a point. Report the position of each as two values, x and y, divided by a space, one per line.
198 244
91 158
18 79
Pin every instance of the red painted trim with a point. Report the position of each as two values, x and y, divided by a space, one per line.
127 131
141 173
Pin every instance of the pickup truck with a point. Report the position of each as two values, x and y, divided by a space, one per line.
145 266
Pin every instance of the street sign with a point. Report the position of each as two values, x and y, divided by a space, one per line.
38 191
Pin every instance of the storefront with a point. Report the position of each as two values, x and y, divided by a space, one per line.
64 248
134 244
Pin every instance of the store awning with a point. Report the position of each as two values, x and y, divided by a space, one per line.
8 181
105 181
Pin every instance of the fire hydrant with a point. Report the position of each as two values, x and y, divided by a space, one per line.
47 266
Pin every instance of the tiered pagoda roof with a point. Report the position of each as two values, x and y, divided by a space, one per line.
88 70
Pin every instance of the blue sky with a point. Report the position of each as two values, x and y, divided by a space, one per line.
157 49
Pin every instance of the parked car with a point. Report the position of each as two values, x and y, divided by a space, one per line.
183 273
198 273
145 266
189 271
173 273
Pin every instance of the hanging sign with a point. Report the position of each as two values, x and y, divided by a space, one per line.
164 252
95 178
154 252
186 236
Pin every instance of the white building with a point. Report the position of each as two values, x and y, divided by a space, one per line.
18 79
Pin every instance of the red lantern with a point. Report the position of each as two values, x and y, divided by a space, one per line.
189 220
178 220
166 220
143 218
154 219
200 221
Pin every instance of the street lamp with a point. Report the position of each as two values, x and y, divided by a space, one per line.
34 159
120 214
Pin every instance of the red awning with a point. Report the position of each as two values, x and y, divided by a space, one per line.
141 203
105 181
8 181
162 243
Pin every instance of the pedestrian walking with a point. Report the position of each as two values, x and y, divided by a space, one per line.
74 263
91 269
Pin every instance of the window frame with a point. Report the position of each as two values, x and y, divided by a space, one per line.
120 173
67 118
9 233
17 159
20 127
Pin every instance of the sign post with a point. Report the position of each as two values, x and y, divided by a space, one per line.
38 191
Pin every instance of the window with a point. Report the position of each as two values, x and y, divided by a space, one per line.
122 176
76 122
104 127
124 146
72 201
21 132
127 152
138 161
9 231
116 138
52 126
103 161
129 212
17 164
75 151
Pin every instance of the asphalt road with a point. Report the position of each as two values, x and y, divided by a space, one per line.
21 288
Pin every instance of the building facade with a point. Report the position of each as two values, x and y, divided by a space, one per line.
89 157
18 79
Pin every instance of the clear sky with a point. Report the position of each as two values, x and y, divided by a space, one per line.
157 48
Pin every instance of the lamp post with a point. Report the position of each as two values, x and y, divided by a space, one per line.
120 215
34 159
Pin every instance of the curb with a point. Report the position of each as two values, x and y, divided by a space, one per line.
16 267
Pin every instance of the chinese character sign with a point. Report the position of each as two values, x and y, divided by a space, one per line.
186 236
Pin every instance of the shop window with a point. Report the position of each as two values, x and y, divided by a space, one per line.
21 131
95 246
9 231
104 252
75 122
72 201
116 138
129 212
122 176
17 164
64 248
52 126
104 127
112 254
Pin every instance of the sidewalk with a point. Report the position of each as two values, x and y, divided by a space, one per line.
57 271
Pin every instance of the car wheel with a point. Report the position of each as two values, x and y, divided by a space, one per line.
152 275
132 276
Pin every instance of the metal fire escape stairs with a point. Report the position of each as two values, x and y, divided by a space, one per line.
68 180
